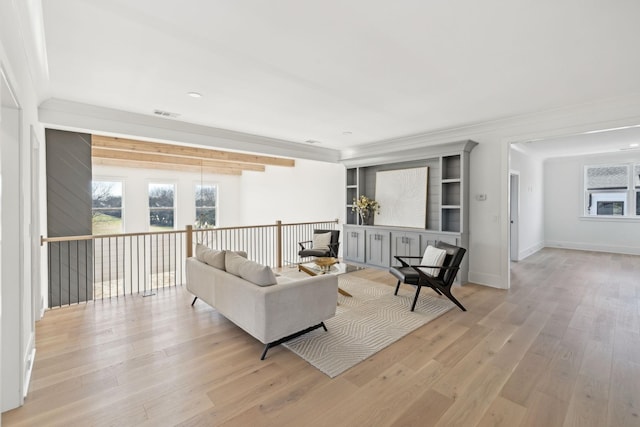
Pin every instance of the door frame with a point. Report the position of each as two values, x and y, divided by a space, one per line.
514 215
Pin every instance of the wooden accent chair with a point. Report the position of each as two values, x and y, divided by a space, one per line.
307 249
416 275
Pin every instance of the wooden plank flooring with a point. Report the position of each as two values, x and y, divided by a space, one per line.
561 348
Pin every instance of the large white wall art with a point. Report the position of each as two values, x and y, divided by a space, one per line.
402 195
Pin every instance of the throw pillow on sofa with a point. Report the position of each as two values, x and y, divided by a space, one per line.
257 274
213 257
210 256
233 261
250 271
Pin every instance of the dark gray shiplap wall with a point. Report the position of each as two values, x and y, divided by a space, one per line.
69 178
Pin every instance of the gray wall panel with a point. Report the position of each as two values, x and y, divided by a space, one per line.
69 178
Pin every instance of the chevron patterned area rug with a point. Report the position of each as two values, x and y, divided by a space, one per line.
364 324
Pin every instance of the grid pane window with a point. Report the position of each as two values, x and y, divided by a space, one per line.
612 190
607 177
161 207
606 190
206 196
106 207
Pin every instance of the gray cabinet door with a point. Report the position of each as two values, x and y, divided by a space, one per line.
353 242
378 248
404 244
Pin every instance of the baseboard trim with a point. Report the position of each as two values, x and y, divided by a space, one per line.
594 247
29 370
491 280
530 251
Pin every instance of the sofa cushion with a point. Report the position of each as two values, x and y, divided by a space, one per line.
210 256
233 261
321 241
243 254
257 274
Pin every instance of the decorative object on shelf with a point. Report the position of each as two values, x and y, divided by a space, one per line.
365 208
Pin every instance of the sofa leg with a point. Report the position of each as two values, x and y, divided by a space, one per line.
290 337
194 301
264 352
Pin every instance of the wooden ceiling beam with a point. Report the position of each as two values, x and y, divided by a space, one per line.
125 144
165 166
167 159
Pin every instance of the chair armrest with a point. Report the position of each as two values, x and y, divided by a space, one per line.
419 268
302 243
401 259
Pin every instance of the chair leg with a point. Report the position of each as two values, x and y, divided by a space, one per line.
397 287
452 298
415 299
194 301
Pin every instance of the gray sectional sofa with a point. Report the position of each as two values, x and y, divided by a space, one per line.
271 309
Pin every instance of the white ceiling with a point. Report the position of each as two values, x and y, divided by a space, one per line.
303 70
621 140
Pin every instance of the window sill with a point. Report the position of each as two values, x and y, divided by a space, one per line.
603 218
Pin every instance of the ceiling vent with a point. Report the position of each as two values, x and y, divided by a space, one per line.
167 114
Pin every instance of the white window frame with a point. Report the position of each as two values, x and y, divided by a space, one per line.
175 201
217 202
119 180
628 195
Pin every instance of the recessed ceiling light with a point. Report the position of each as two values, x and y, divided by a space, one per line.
347 132
194 94
634 145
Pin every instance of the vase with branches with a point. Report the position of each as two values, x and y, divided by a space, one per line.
365 208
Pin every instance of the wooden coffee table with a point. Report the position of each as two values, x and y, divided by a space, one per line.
325 265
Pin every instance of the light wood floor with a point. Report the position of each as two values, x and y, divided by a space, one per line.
561 348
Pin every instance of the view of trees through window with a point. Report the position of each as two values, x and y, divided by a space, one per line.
106 207
161 207
206 202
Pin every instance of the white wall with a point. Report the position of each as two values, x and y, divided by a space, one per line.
565 224
135 194
531 212
310 191
17 294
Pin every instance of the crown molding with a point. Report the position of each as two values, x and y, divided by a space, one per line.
588 116
69 115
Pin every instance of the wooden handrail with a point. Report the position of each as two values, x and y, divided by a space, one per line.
44 240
